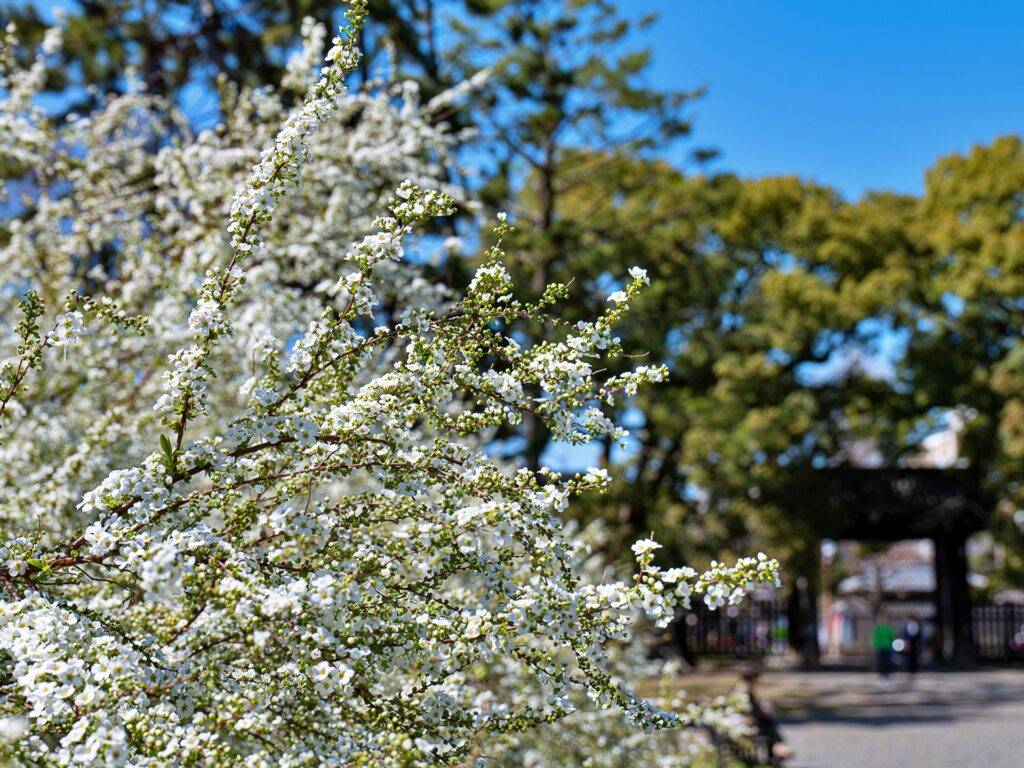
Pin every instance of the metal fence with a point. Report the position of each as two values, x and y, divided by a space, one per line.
999 632
758 628
754 628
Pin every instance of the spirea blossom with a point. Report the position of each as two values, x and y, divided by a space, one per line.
250 517
644 546
67 329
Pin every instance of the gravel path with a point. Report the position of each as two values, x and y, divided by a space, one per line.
942 720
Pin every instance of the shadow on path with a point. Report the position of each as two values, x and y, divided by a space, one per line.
848 720
857 698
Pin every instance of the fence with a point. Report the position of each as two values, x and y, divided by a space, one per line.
999 632
758 628
752 629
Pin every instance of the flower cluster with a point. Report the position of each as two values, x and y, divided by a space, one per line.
303 554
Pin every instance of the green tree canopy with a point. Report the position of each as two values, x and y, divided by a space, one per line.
797 325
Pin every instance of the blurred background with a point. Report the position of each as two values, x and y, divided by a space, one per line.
828 199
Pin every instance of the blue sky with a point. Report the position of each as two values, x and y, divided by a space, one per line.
860 95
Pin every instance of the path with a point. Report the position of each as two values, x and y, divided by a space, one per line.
944 720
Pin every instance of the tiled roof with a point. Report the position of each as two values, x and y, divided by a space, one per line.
903 578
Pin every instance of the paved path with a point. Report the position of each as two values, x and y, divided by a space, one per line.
943 720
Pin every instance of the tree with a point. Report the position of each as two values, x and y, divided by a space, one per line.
565 80
171 46
965 354
249 516
180 49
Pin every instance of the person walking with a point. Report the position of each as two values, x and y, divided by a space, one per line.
911 647
881 642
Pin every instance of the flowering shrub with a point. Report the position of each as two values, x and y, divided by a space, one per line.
249 514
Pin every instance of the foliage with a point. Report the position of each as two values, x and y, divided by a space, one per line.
796 326
565 79
173 48
249 517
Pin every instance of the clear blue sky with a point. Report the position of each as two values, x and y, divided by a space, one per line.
860 95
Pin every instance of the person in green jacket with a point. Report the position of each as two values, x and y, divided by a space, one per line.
881 641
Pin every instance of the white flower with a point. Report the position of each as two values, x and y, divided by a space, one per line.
673 575
715 596
12 727
643 546
312 518
68 329
637 273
